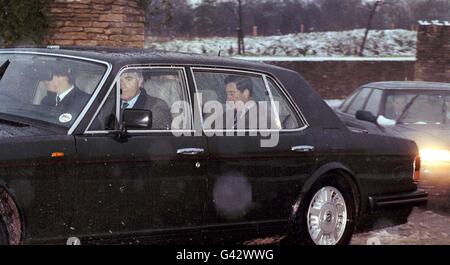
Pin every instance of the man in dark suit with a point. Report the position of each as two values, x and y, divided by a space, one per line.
63 94
243 112
134 96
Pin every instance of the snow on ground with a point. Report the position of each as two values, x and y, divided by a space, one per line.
423 228
395 43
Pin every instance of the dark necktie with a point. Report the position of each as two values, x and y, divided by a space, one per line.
235 117
58 101
125 105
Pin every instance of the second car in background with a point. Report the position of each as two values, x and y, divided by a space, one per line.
410 109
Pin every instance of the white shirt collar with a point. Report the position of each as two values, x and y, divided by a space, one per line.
63 94
132 101
250 104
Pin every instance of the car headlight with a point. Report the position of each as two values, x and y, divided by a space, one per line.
434 155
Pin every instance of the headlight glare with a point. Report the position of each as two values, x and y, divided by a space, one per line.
434 155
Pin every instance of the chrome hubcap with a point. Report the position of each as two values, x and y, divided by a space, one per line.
327 216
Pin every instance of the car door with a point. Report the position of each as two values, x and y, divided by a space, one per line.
254 175
149 183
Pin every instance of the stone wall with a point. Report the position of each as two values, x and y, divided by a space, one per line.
433 51
117 23
335 79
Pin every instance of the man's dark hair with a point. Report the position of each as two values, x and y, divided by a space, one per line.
242 83
63 69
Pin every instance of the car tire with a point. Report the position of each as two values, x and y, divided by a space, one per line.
3 233
326 215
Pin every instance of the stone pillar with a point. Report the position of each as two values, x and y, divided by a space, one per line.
433 51
116 23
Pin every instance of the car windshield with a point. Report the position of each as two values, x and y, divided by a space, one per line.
421 107
46 88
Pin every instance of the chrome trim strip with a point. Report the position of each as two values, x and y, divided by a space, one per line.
141 131
116 79
190 151
198 101
302 148
96 90
100 107
91 100
291 102
272 100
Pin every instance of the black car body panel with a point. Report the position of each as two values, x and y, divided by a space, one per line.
102 189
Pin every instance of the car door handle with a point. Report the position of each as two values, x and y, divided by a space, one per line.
302 148
190 151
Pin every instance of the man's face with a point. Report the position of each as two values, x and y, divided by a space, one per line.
129 85
57 84
235 95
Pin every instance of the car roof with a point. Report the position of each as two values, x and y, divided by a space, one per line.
142 56
409 85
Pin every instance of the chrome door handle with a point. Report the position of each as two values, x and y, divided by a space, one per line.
302 148
190 151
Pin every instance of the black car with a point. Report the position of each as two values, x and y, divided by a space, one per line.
88 150
415 110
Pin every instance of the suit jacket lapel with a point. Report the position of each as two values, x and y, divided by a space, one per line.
140 102
68 97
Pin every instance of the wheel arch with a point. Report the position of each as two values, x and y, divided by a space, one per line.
12 215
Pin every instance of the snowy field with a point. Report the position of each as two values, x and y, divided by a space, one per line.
387 43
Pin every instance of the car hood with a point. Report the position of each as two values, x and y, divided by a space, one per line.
435 136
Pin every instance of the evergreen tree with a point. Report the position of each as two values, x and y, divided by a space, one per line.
23 21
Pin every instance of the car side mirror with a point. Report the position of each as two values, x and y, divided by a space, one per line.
136 119
132 119
366 116
383 121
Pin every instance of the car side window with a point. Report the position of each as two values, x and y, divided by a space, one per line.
373 104
287 115
159 90
359 101
349 100
235 100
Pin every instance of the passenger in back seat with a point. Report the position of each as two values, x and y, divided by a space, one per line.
63 94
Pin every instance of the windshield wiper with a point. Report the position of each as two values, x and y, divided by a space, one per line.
407 106
3 68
